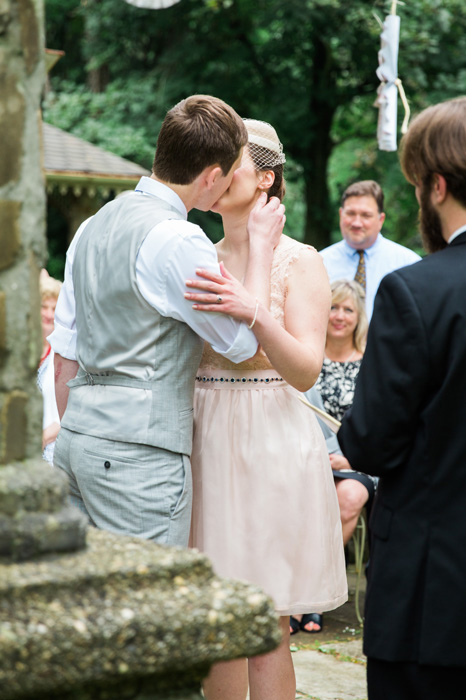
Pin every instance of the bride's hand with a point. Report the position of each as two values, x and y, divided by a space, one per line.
266 222
222 293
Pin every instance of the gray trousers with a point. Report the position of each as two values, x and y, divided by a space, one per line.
127 488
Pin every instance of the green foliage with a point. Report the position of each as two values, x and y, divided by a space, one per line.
307 66
64 31
109 119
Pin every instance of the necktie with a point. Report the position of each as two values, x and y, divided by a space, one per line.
360 275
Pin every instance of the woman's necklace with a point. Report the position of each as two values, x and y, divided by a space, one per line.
45 355
347 359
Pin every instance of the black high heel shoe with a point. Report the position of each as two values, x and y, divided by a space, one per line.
317 618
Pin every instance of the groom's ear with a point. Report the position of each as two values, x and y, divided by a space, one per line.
212 175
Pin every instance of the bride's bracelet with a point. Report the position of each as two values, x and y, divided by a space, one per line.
255 315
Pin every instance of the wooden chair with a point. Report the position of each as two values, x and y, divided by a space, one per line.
359 543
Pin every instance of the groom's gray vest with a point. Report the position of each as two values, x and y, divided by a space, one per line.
136 374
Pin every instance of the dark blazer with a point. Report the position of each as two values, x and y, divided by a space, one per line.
408 426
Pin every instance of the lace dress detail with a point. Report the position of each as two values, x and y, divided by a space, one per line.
286 253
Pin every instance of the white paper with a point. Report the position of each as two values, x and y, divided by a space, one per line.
387 93
329 420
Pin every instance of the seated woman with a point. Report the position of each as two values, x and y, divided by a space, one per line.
334 391
49 291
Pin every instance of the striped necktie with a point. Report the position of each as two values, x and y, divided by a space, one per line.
360 275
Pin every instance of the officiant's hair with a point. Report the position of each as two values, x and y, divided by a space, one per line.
341 290
364 188
436 144
196 133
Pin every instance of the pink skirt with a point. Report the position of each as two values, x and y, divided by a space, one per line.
265 508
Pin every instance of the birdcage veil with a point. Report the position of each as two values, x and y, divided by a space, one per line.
264 145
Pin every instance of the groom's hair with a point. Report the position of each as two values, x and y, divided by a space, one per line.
198 132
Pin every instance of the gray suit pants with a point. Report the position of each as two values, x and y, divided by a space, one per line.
127 488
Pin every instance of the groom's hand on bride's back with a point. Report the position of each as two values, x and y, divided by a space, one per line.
266 221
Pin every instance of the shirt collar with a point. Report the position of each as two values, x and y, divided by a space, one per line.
457 233
352 252
148 185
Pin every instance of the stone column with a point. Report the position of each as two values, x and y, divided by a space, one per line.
111 617
124 618
22 240
34 515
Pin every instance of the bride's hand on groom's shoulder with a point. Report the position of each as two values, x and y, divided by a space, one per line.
266 221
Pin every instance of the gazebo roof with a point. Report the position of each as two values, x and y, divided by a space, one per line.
72 163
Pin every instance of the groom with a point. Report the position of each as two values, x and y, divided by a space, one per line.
127 344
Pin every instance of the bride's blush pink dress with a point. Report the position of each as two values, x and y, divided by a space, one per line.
265 508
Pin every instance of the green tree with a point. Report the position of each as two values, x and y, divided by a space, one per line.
307 66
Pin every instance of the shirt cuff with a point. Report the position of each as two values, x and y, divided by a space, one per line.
243 347
63 341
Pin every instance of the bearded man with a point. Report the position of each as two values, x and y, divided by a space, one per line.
407 425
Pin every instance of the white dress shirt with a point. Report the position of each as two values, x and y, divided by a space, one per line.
46 384
168 256
456 233
341 262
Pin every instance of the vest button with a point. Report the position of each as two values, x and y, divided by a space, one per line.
107 465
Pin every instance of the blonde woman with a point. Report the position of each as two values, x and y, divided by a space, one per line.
49 291
344 348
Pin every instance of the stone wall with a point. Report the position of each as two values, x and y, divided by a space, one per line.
22 226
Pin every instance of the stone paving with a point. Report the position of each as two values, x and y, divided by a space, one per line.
330 665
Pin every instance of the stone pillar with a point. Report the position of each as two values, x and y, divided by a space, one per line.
111 617
125 618
34 515
22 239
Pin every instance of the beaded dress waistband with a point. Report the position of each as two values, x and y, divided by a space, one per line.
238 379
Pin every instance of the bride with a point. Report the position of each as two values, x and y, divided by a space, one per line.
263 488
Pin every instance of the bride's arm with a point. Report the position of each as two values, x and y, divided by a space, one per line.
265 226
296 351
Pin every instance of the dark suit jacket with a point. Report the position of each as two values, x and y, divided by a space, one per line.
408 426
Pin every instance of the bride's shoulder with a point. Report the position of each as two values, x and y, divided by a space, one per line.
290 250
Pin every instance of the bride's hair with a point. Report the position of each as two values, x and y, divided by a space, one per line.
266 152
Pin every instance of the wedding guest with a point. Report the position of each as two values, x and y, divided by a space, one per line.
364 253
49 291
334 391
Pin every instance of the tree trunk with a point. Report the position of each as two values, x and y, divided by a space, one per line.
322 107
319 215
98 79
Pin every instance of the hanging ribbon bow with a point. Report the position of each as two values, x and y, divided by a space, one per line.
390 85
152 4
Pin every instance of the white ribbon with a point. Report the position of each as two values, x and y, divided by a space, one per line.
387 92
152 4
